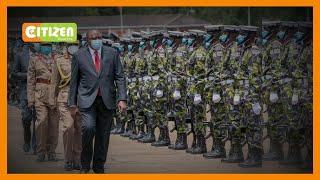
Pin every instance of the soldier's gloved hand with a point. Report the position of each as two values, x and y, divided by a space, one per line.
73 111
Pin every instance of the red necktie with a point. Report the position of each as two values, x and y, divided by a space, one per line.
97 61
97 64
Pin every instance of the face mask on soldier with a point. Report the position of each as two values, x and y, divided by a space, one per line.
223 38
46 50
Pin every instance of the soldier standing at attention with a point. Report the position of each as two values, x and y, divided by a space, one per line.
41 91
21 62
71 128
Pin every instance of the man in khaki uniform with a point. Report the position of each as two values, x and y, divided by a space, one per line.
71 128
41 89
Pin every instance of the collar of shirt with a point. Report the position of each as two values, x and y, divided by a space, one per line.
93 55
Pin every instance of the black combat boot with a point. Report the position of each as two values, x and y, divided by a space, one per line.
217 150
308 160
160 138
194 142
254 158
140 134
120 128
181 142
164 139
116 127
150 137
126 129
200 147
130 129
294 155
235 153
275 153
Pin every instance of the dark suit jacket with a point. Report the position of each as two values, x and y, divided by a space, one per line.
85 81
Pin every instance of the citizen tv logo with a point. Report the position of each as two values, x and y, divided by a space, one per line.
49 32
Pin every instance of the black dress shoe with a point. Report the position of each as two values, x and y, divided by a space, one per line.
98 171
68 166
76 166
84 171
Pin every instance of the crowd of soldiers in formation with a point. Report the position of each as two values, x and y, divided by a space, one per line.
246 79
227 83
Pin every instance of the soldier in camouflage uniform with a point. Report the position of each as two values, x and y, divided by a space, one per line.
41 92
214 69
177 94
195 92
251 70
140 71
270 55
305 100
234 93
128 64
146 54
289 94
125 118
271 67
160 90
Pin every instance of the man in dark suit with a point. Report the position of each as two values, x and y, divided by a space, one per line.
96 72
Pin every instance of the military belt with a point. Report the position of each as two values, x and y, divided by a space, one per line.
43 81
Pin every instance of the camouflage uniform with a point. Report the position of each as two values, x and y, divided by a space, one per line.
140 118
272 69
234 98
177 94
128 65
195 99
252 68
215 67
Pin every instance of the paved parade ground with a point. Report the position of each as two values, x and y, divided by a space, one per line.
126 156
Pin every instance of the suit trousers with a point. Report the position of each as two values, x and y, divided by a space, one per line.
96 125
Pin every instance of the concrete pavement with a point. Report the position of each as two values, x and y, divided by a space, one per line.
126 156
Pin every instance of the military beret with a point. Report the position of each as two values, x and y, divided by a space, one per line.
213 27
231 28
249 28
